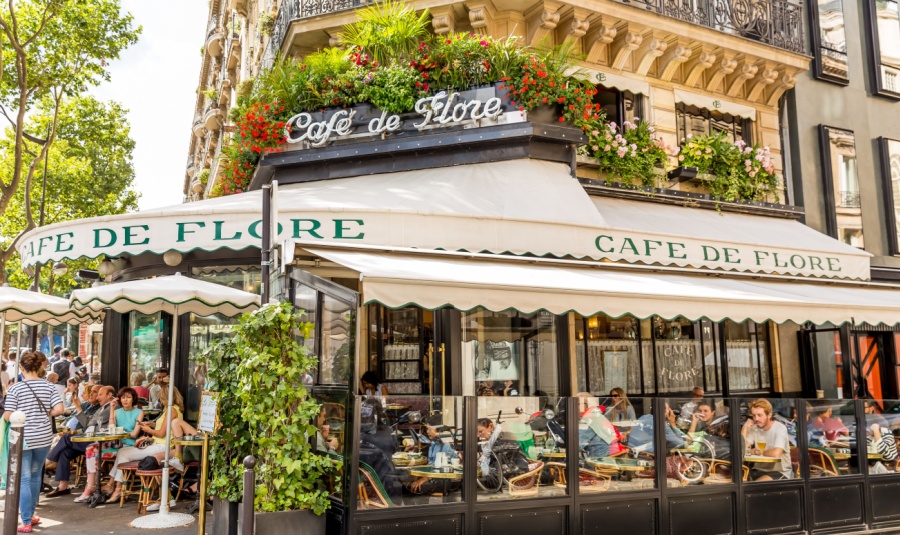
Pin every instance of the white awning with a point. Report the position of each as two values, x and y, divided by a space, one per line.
611 80
433 279
674 235
715 104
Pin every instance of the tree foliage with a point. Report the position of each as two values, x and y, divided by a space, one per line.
52 50
89 173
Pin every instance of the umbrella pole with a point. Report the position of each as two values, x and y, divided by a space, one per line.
164 493
3 332
15 375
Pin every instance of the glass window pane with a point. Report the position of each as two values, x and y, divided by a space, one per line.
711 362
841 156
678 355
881 442
205 330
145 349
832 40
617 441
769 439
509 353
522 450
612 354
330 431
893 161
743 356
403 368
831 430
887 17
698 441
335 358
306 302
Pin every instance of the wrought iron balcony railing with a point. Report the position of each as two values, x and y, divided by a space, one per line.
213 25
850 199
775 22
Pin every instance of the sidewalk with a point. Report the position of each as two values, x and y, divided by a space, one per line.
62 515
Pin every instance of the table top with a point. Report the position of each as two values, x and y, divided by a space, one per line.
625 423
184 441
98 437
552 454
395 407
760 459
622 465
430 471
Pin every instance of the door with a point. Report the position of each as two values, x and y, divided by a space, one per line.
870 363
841 364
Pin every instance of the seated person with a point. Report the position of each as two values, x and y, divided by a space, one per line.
641 437
764 436
128 417
596 435
66 450
154 445
878 433
684 417
833 428
427 485
325 441
717 429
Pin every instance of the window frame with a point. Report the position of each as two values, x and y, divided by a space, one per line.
828 178
639 102
890 217
875 78
682 109
815 35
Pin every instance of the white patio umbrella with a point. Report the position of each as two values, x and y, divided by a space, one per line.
176 295
33 308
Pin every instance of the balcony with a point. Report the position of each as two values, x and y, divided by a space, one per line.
849 199
198 126
191 169
215 37
212 119
234 52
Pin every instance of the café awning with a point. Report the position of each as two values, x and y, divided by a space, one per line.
434 279
519 206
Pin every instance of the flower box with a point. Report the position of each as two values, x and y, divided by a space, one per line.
682 173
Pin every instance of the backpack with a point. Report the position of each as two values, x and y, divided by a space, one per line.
61 368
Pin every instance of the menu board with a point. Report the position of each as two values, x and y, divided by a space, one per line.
209 412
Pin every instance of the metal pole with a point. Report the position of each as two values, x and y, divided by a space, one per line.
164 492
15 375
266 245
204 466
14 473
3 335
247 523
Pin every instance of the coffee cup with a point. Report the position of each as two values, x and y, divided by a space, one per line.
120 430
455 463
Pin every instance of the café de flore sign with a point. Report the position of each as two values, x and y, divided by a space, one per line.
525 207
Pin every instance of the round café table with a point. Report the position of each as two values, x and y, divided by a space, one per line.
99 437
456 474
762 459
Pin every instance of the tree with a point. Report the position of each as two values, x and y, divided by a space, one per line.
52 50
90 173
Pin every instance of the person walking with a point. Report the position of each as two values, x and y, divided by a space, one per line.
40 402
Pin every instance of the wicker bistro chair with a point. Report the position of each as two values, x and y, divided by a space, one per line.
588 480
371 492
150 482
822 463
527 484
131 483
720 472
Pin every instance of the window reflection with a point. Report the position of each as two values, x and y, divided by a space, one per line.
887 21
881 443
769 439
832 39
679 364
891 157
840 158
831 430
509 353
145 347
694 121
608 353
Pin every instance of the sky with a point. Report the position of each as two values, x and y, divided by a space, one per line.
156 80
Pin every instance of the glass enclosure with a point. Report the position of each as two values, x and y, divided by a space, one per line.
147 349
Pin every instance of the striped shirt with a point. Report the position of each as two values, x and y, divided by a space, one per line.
38 429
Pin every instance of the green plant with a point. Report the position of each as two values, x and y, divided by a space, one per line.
211 94
630 152
278 411
203 175
388 31
265 23
392 89
202 50
740 171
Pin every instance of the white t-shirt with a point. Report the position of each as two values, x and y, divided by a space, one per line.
775 437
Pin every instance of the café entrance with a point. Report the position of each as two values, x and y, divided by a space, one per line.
847 363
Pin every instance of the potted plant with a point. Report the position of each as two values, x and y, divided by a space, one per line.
737 171
266 411
632 151
265 23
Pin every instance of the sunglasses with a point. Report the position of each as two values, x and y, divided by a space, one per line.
614 395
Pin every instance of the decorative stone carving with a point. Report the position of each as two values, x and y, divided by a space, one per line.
626 42
745 71
787 79
443 20
542 20
725 67
765 78
596 41
695 67
652 48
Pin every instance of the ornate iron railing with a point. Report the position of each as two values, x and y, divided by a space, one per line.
213 25
850 199
774 22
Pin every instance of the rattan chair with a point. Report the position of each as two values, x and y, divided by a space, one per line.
371 491
527 484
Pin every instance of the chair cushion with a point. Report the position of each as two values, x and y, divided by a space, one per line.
131 465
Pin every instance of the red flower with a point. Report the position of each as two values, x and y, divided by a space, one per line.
562 119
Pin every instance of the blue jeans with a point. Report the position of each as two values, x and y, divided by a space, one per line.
32 477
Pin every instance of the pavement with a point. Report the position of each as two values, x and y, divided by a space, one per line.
63 515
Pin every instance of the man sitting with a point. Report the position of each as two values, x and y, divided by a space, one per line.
427 485
684 417
766 437
66 450
641 437
716 429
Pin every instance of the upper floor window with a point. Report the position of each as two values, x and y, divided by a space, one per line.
619 106
884 29
844 217
890 175
829 40
701 121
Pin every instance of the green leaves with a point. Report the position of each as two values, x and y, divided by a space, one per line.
389 31
268 413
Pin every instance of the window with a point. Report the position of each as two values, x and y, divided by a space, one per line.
746 350
841 185
694 121
148 349
884 29
619 106
829 40
890 173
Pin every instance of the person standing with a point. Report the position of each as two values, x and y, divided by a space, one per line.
54 358
40 401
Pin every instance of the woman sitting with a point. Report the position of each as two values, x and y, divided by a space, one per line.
70 396
128 417
155 444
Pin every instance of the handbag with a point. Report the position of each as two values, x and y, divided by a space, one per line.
41 404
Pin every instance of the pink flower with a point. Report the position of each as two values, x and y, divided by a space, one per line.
596 148
606 148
